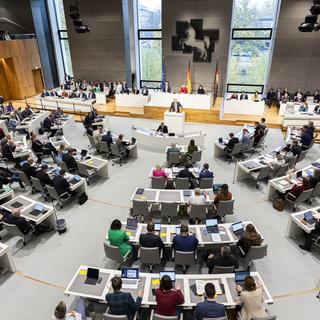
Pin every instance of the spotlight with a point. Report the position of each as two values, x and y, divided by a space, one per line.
77 22
315 9
311 19
82 29
306 27
74 12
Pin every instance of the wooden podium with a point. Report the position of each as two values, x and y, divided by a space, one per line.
174 121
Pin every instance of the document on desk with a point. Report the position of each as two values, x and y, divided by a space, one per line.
200 284
215 237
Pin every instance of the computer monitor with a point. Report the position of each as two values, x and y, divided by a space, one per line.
241 275
132 223
93 273
171 274
237 226
130 273
299 174
211 222
83 152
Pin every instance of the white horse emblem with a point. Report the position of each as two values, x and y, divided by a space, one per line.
191 41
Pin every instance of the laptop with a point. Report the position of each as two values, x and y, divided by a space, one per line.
178 230
212 225
237 229
299 174
140 191
83 153
132 224
157 227
130 278
16 204
38 209
75 179
186 193
171 274
239 276
308 217
92 276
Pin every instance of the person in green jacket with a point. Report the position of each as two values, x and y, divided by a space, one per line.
119 238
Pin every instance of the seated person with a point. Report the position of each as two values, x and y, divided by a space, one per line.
122 303
53 93
48 123
27 112
184 89
250 298
13 122
168 298
7 177
135 90
107 138
186 173
309 236
119 238
6 150
58 113
205 172
256 97
311 129
60 312
91 95
69 160
9 107
223 194
97 134
208 308
197 198
162 128
184 241
29 168
231 142
173 149
192 147
61 184
313 180
150 239
89 119
245 140
40 147
234 96
297 189
124 88
166 87
295 148
175 106
270 98
250 238
45 93
82 95
42 175
223 259
64 94
201 90
306 139
257 136
122 145
263 124
243 96
15 218
275 166
158 171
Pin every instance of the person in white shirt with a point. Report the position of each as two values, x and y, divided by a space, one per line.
60 312
276 165
97 135
198 198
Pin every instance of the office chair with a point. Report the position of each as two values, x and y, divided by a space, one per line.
219 270
104 148
119 155
282 170
292 162
265 318
37 185
15 231
206 183
301 156
154 316
249 149
24 179
150 256
312 143
234 153
304 196
198 212
63 165
158 183
85 172
262 174
196 156
55 196
91 141
315 192
113 253
173 158
182 183
220 318
109 316
224 208
169 210
141 208
184 259
254 253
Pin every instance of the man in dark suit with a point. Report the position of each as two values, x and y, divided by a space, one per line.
27 112
162 128
295 148
175 106
208 308
91 95
150 239
166 87
15 218
145 91
43 176
224 259
48 123
243 96
186 173
107 138
205 172
305 139
60 183
29 168
232 141
124 88
69 160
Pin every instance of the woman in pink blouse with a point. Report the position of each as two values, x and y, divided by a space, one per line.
158 171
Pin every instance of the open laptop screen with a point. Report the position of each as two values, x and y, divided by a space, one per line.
133 223
39 207
211 222
237 226
241 275
130 273
171 274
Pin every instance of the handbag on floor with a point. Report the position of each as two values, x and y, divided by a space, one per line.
278 204
83 198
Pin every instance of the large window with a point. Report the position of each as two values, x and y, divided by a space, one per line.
150 42
63 37
251 44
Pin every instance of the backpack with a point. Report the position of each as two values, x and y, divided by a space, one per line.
82 198
278 204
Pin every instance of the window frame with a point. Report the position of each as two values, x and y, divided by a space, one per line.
251 38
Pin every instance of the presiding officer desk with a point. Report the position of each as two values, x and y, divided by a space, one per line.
296 225
285 183
27 206
149 281
219 148
151 139
168 231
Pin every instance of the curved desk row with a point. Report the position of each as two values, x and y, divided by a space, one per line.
150 281
153 140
